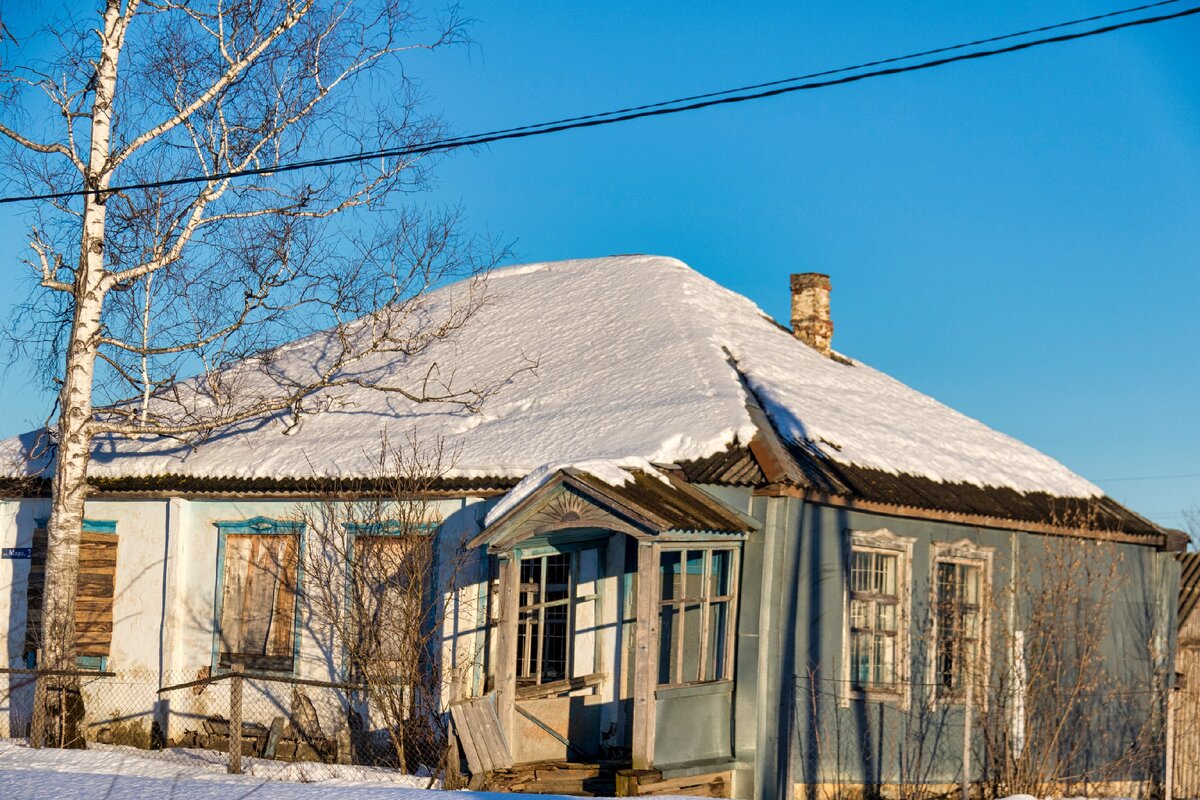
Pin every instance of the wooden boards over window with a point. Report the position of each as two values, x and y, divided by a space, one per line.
94 601
258 601
388 572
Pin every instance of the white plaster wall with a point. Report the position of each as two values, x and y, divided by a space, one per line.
164 606
16 530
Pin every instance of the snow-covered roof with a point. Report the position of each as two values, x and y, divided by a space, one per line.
639 359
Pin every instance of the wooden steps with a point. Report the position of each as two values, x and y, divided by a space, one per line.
603 780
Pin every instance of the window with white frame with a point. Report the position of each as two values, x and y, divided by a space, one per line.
877 612
874 619
961 574
697 609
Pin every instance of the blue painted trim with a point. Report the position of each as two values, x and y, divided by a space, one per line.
89 525
98 663
263 525
538 547
390 527
258 526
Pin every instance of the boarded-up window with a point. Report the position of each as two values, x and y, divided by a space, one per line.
94 600
389 576
258 601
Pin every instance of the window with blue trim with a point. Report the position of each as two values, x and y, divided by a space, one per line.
390 568
257 602
93 598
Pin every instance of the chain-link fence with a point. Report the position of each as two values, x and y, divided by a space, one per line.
268 725
916 741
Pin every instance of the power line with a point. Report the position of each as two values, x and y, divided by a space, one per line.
1150 477
839 70
692 103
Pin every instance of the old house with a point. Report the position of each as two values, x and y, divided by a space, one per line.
1185 766
693 543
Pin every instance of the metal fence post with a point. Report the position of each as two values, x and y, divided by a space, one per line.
37 723
235 720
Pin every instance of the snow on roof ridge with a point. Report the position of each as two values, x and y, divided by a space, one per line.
517 270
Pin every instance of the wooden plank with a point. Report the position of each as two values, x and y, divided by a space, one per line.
477 724
258 598
283 614
543 690
686 782
478 729
459 713
237 560
645 676
497 743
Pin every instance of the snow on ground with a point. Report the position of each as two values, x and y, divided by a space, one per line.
123 773
637 357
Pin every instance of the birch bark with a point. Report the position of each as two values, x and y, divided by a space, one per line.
75 397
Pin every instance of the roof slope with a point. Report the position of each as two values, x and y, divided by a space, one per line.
639 358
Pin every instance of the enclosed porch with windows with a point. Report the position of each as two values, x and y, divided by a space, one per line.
613 615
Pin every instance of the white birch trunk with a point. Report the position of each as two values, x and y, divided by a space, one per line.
69 488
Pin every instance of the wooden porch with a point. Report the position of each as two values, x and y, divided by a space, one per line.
573 665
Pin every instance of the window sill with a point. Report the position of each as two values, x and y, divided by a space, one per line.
694 690
226 668
874 696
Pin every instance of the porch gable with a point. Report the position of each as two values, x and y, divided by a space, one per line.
647 508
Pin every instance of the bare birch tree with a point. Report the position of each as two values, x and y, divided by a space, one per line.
381 583
137 287
1059 714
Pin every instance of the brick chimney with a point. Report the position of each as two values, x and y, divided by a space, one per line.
810 311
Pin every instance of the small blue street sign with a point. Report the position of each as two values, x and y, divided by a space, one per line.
16 552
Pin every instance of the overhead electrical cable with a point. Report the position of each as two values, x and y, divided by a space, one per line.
677 106
839 70
1151 477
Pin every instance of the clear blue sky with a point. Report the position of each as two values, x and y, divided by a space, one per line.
1018 237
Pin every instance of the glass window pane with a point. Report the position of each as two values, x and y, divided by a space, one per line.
718 631
885 617
886 574
722 565
885 655
945 581
971 581
860 614
667 639
531 581
692 614
694 585
860 659
554 644
860 571
970 624
558 576
669 566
